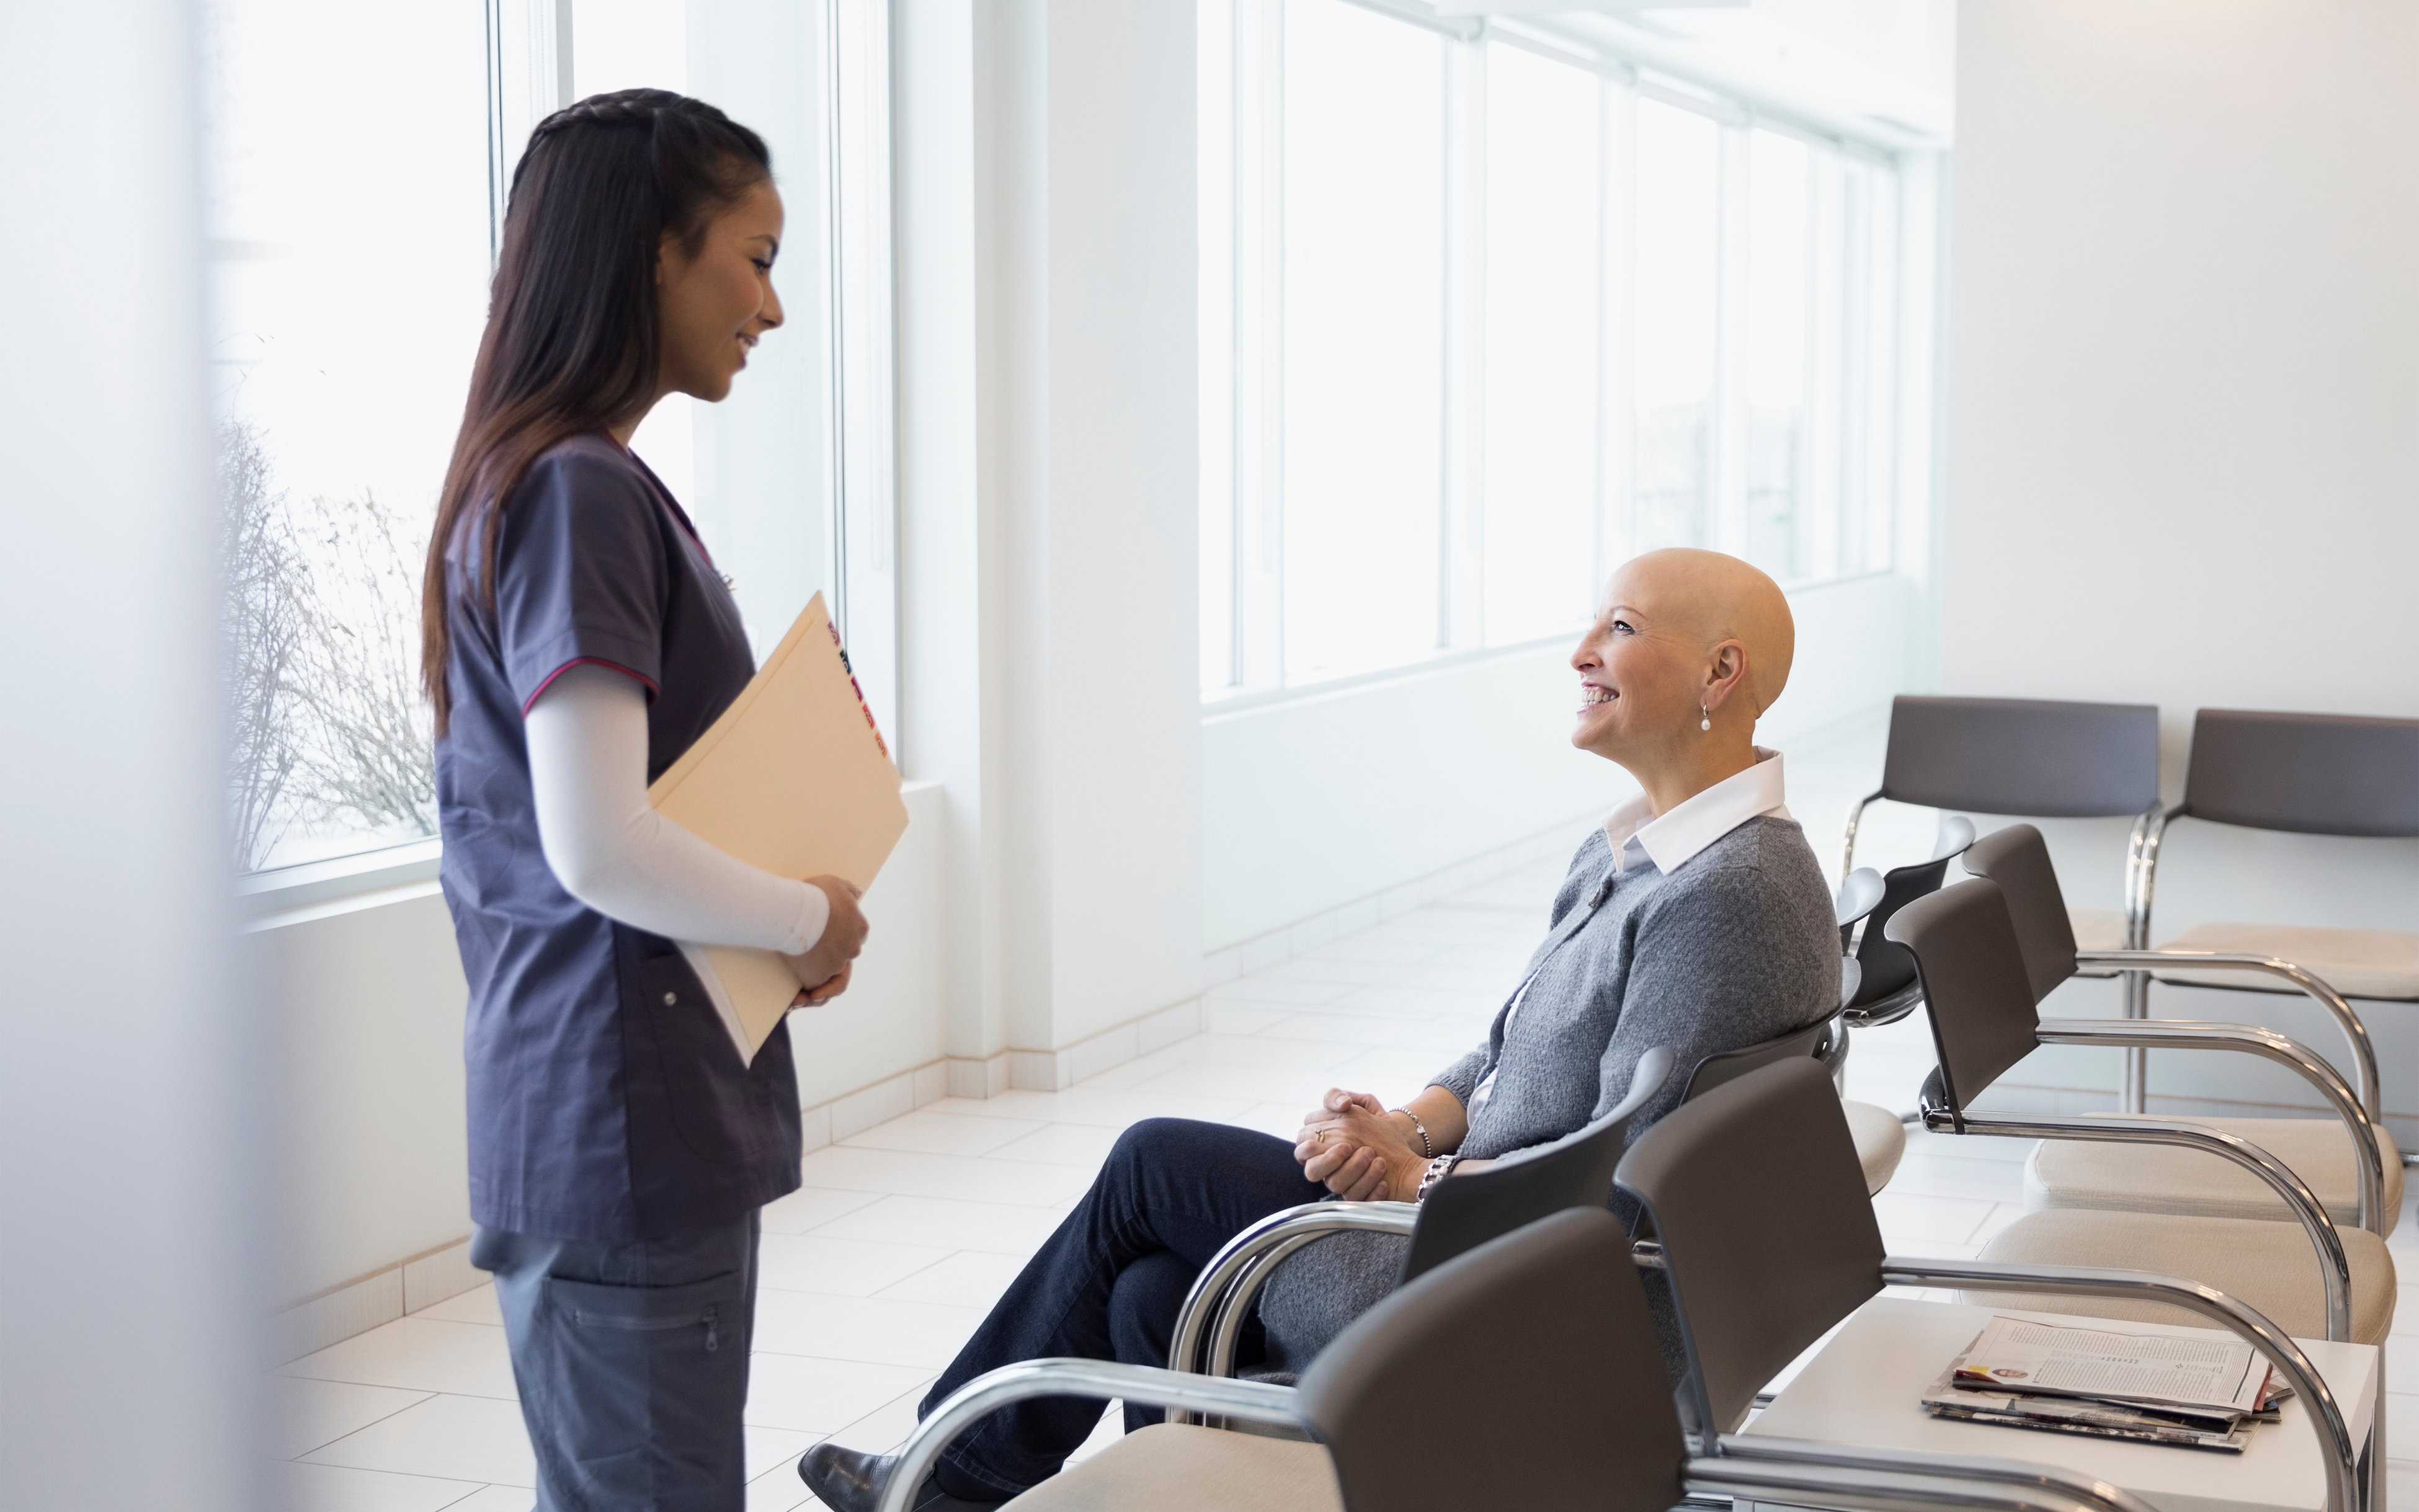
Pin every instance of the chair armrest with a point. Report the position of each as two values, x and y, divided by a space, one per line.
2186 1034
1104 1379
1212 1311
1864 1479
2335 1268
2364 1052
2337 1448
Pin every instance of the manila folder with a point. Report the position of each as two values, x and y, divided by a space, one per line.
794 778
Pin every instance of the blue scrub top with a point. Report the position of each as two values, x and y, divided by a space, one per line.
606 1099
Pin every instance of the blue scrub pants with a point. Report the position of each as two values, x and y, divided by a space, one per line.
632 1363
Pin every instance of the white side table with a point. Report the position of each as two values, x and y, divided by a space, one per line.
1865 1386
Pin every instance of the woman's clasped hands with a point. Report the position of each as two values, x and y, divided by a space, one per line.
1359 1150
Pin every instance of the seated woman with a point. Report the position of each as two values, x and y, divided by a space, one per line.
1695 918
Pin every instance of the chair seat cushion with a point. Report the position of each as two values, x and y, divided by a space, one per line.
1881 1140
2097 929
2357 963
2270 1267
2082 1173
1186 1467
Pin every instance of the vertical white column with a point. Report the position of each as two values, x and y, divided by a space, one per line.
128 1074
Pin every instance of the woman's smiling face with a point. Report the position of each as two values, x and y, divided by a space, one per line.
1641 669
713 307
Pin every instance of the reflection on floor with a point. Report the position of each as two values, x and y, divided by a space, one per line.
904 1235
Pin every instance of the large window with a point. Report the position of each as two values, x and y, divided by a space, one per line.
1485 314
357 160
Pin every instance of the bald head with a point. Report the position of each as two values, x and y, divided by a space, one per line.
1712 598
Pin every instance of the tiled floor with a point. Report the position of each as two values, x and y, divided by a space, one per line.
905 1234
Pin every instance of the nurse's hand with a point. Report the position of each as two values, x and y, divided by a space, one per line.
824 971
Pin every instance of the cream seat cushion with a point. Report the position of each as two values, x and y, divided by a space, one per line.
2357 963
2084 1173
1186 1467
1881 1141
2270 1267
2097 929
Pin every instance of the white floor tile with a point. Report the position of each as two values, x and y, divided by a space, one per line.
1104 1107
2401 1419
329 1488
2402 1483
1282 1120
1364 948
841 1267
816 1396
497 1498
779 1490
2406 1312
303 1414
1082 1145
887 1427
417 1353
1908 1220
969 1278
476 1305
1260 990
876 1329
2402 1363
1234 1018
943 1176
1937 1175
811 1208
770 1449
991 1226
1247 1084
494 1499
934 1133
1421 1001
474 1439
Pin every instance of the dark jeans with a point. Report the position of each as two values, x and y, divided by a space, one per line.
632 1363
1108 1283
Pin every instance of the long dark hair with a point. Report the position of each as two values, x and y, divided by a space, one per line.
572 338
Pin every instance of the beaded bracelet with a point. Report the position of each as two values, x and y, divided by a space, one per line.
1427 1150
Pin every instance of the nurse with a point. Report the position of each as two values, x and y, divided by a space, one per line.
576 638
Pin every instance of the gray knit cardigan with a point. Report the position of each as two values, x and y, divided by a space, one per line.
1734 948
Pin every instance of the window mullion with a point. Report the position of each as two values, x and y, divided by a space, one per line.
1616 335
1730 439
1461 575
1823 466
1259 342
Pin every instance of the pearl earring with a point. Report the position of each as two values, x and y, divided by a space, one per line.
1705 717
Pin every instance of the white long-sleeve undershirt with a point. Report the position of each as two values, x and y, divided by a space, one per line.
613 850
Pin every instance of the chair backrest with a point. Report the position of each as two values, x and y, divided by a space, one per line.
2310 774
1525 1373
2017 860
1729 1065
1575 1171
2022 756
1975 988
1759 1200
1883 968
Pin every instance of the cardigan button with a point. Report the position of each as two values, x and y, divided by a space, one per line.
669 999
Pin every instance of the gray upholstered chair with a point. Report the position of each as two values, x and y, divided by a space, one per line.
2312 1278
2306 774
2328 1154
1522 1374
1768 1154
2029 757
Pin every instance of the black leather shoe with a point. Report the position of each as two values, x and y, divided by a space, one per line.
851 1480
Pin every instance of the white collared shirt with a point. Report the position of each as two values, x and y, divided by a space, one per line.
1671 841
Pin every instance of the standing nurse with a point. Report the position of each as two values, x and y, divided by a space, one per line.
577 639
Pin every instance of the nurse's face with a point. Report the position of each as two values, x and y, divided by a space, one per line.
713 307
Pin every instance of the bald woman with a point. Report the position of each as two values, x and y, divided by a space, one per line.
1694 917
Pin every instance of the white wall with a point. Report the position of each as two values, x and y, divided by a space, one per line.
131 1062
2181 465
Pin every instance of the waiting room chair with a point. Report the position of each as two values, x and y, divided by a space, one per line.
2303 774
1979 995
1885 990
1522 1374
1460 1214
1768 1156
2329 1154
2031 758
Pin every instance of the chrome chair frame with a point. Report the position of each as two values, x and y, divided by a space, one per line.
1852 1480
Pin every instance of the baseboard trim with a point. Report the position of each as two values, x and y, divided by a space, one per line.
338 1313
